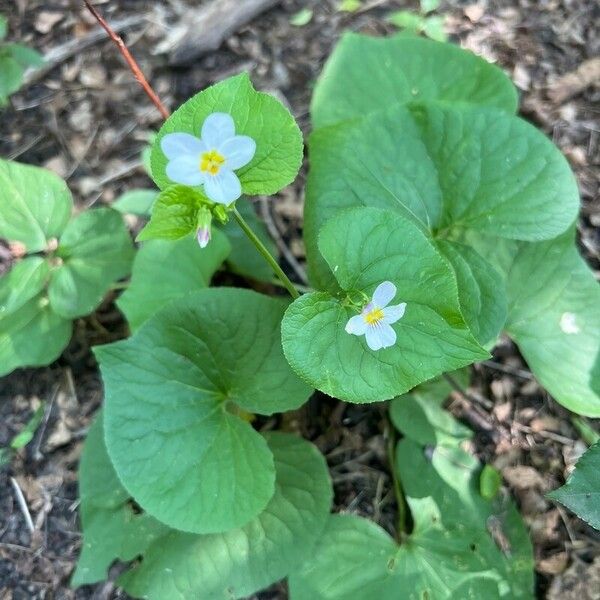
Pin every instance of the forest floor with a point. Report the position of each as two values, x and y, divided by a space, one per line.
87 120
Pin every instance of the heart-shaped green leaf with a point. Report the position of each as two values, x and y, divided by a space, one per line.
164 270
581 493
233 564
445 168
481 290
363 248
31 334
554 316
365 74
172 397
35 205
461 546
278 139
96 251
136 202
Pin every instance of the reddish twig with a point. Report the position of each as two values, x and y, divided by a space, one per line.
135 68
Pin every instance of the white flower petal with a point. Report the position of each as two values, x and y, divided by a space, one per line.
391 314
356 325
217 129
387 335
238 151
373 336
186 170
224 187
175 145
384 294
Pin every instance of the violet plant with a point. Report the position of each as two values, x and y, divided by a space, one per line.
435 220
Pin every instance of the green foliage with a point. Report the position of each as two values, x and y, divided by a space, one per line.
165 270
366 74
462 545
301 18
24 436
278 140
494 174
70 267
378 246
191 368
136 202
554 316
233 564
15 59
490 482
581 493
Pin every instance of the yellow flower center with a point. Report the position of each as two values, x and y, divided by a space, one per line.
211 162
374 316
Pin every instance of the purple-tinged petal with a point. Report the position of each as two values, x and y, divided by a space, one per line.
203 236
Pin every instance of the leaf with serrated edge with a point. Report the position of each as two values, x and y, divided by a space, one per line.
279 147
365 74
96 250
172 391
164 270
35 205
378 246
581 493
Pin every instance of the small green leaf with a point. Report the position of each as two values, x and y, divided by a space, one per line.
26 434
428 6
174 564
174 214
136 202
32 336
302 17
481 291
349 5
188 368
490 482
406 20
35 205
165 270
366 74
278 139
3 27
581 493
96 251
435 28
11 76
25 56
244 258
554 316
378 246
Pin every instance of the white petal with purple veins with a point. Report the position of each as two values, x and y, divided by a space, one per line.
373 337
185 170
393 313
238 151
217 129
223 188
356 325
176 145
387 335
384 294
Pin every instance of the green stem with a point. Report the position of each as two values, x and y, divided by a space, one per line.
289 286
398 491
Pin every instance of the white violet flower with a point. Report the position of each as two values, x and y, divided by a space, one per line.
376 318
211 159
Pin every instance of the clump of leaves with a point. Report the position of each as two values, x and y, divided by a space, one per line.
422 21
15 59
67 265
